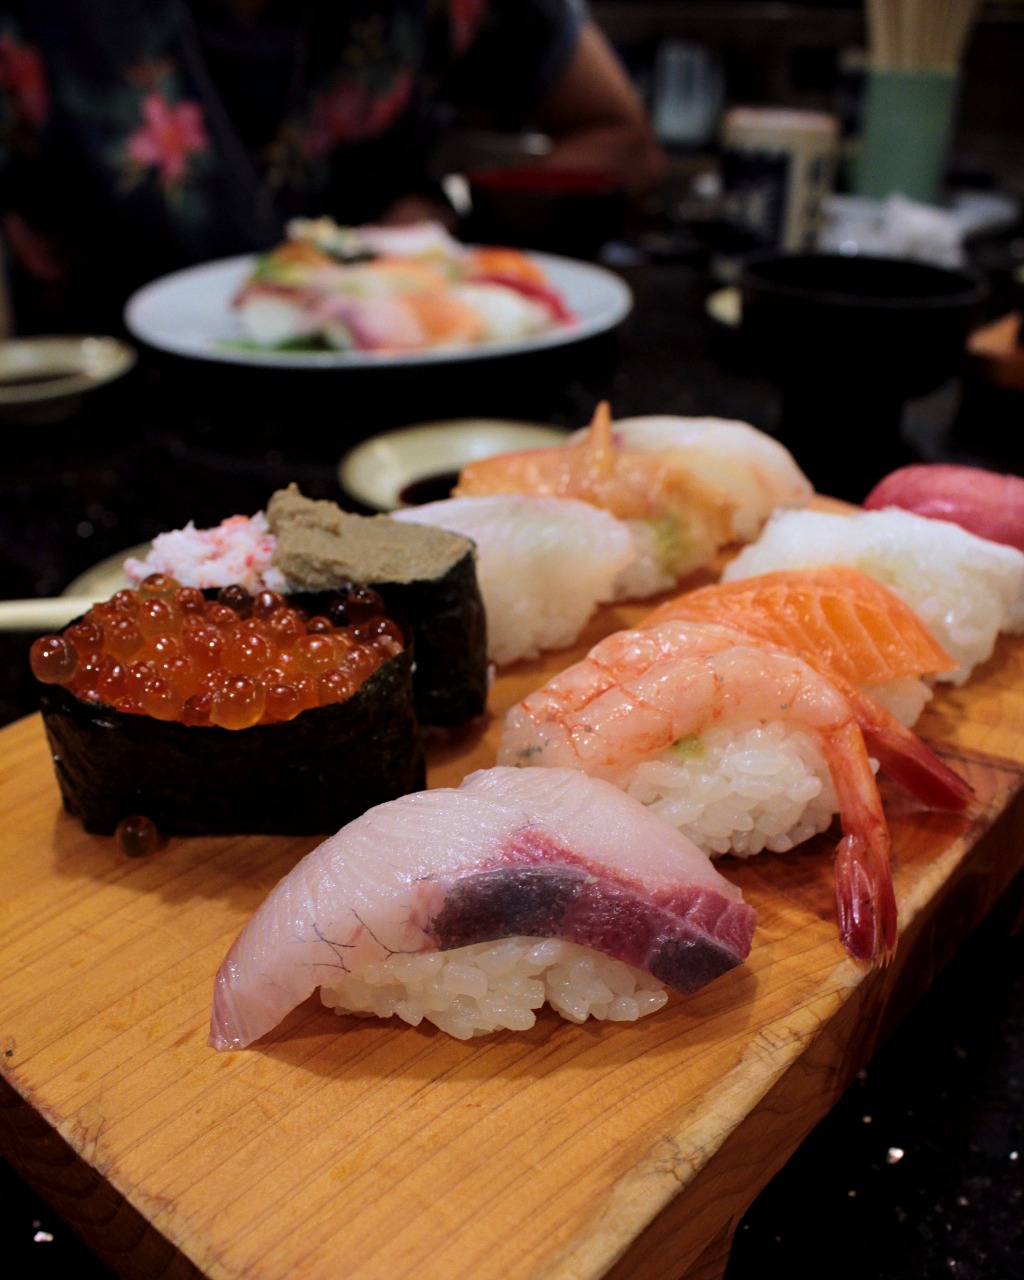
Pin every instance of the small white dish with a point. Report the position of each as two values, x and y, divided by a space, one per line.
95 584
380 472
46 375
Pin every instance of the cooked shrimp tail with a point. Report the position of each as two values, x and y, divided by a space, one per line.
908 760
600 442
865 899
865 902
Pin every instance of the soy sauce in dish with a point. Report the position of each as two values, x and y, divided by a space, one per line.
432 488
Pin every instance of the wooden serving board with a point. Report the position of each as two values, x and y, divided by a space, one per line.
360 1148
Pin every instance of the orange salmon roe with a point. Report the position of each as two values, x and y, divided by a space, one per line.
165 651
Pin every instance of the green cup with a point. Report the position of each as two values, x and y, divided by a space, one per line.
907 126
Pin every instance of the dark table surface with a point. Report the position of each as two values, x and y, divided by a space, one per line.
918 1171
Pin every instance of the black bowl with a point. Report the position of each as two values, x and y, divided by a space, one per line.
565 211
848 340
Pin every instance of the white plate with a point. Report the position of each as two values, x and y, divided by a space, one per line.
188 313
378 470
38 371
103 579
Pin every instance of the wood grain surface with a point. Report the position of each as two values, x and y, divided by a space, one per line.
344 1146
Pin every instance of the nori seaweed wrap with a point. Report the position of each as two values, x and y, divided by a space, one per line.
309 775
425 574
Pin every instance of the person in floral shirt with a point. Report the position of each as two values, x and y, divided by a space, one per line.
139 136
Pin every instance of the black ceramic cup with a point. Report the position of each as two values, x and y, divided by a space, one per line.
848 340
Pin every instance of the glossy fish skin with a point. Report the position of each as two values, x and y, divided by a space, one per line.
536 851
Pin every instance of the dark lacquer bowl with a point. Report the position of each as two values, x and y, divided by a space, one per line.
825 316
565 211
848 340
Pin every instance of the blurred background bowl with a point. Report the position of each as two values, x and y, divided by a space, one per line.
830 315
565 211
848 340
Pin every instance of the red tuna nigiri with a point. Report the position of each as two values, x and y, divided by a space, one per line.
983 502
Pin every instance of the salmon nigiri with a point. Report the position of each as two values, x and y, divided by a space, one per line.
966 589
851 621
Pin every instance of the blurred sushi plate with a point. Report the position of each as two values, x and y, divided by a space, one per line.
189 313
368 1146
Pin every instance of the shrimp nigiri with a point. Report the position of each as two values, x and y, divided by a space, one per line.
740 744
860 635
685 503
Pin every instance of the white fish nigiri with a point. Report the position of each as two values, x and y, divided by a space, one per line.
543 564
966 589
511 853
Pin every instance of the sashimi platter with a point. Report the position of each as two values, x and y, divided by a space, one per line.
341 297
501 887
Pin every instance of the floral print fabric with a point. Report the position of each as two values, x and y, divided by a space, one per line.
137 136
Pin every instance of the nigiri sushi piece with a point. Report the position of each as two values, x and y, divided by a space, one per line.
524 545
982 501
740 744
833 614
686 508
756 471
412 321
966 589
505 313
865 639
469 906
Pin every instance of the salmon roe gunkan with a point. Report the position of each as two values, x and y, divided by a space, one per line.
164 650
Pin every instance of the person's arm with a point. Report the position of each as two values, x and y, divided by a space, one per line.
597 120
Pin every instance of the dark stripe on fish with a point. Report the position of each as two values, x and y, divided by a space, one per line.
575 905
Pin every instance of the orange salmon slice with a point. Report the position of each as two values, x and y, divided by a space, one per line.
445 319
505 262
833 614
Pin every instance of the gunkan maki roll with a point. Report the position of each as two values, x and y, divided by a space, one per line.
233 714
425 574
